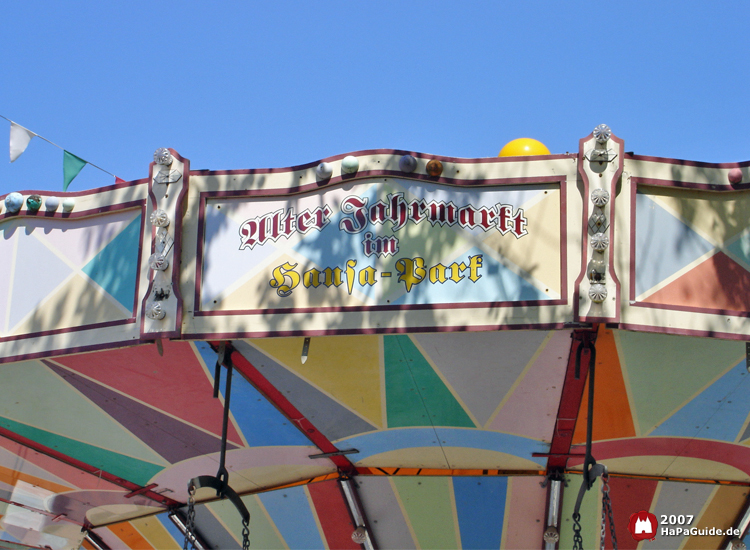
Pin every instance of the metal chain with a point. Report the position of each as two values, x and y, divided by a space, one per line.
190 523
245 535
577 538
607 508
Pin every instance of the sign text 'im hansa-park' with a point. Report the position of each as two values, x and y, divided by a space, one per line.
358 216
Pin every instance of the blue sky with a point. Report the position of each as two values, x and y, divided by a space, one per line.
254 84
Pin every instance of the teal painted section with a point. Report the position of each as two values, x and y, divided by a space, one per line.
132 469
718 412
415 394
741 247
480 507
115 267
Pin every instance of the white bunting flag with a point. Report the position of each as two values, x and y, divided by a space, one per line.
19 140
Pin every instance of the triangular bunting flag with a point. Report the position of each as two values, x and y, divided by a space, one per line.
72 165
19 140
119 180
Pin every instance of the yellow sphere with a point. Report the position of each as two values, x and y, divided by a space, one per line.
523 147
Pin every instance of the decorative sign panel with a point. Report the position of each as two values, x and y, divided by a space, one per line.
384 243
69 274
691 250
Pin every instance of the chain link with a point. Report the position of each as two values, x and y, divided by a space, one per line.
245 535
577 538
190 523
607 508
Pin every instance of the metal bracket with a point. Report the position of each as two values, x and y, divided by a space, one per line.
164 241
217 369
141 490
600 155
335 453
305 350
167 176
223 490
554 476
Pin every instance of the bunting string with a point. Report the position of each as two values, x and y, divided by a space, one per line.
72 164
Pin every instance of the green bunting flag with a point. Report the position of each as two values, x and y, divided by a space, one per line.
72 165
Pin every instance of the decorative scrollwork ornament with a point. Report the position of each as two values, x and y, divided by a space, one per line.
159 218
602 133
163 157
598 222
598 293
158 262
155 311
359 536
599 242
551 535
600 197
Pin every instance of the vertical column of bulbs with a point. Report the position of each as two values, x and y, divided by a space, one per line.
598 223
158 262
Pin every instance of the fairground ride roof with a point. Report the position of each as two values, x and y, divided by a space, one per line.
410 340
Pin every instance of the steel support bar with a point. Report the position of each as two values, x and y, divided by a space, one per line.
741 525
96 541
142 490
88 468
337 453
286 407
195 539
553 514
355 508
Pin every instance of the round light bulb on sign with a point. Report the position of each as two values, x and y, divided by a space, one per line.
51 204
14 202
324 171
349 165
407 164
